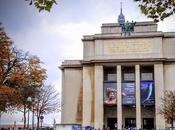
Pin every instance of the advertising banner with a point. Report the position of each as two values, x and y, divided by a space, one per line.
110 93
76 127
88 128
147 93
128 94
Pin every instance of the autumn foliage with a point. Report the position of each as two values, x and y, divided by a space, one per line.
19 73
168 107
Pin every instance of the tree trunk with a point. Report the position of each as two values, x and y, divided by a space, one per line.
172 124
24 116
28 119
37 122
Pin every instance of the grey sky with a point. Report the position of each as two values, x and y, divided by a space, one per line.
56 36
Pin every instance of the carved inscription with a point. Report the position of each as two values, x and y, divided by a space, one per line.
126 47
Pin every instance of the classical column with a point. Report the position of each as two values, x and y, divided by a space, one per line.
159 92
87 95
63 95
138 103
119 98
98 97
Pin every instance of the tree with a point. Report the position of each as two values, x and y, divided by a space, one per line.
157 9
47 101
42 5
9 61
167 108
34 76
20 76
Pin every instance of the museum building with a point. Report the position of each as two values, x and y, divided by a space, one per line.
121 78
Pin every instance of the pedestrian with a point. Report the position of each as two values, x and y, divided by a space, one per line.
107 128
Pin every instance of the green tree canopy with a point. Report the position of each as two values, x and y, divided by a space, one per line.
42 5
157 9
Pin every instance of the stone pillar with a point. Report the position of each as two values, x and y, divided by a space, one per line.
159 92
99 97
119 97
87 95
138 103
62 99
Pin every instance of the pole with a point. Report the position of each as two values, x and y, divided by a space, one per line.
24 116
33 118
28 119
0 119
41 124
14 125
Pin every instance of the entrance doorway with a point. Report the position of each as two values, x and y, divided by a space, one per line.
130 122
111 122
148 123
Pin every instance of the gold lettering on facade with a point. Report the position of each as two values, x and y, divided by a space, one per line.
126 47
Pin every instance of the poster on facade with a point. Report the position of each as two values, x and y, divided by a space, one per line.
88 128
110 93
128 94
76 127
147 93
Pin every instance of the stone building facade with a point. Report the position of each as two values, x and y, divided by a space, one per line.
120 80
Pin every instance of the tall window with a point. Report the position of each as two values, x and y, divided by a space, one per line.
128 85
147 85
110 86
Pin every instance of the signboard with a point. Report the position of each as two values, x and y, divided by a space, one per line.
147 93
110 93
128 94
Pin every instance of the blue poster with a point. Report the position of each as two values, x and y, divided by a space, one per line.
147 93
88 128
128 94
110 93
76 127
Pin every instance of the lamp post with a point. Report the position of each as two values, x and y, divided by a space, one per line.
41 118
0 119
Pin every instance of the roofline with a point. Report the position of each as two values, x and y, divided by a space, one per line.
137 24
118 61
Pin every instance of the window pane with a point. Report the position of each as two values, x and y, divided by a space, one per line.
128 73
147 76
129 77
111 77
110 74
147 73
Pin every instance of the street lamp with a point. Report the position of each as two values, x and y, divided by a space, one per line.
41 119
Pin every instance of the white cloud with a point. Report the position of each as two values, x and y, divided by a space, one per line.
167 25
